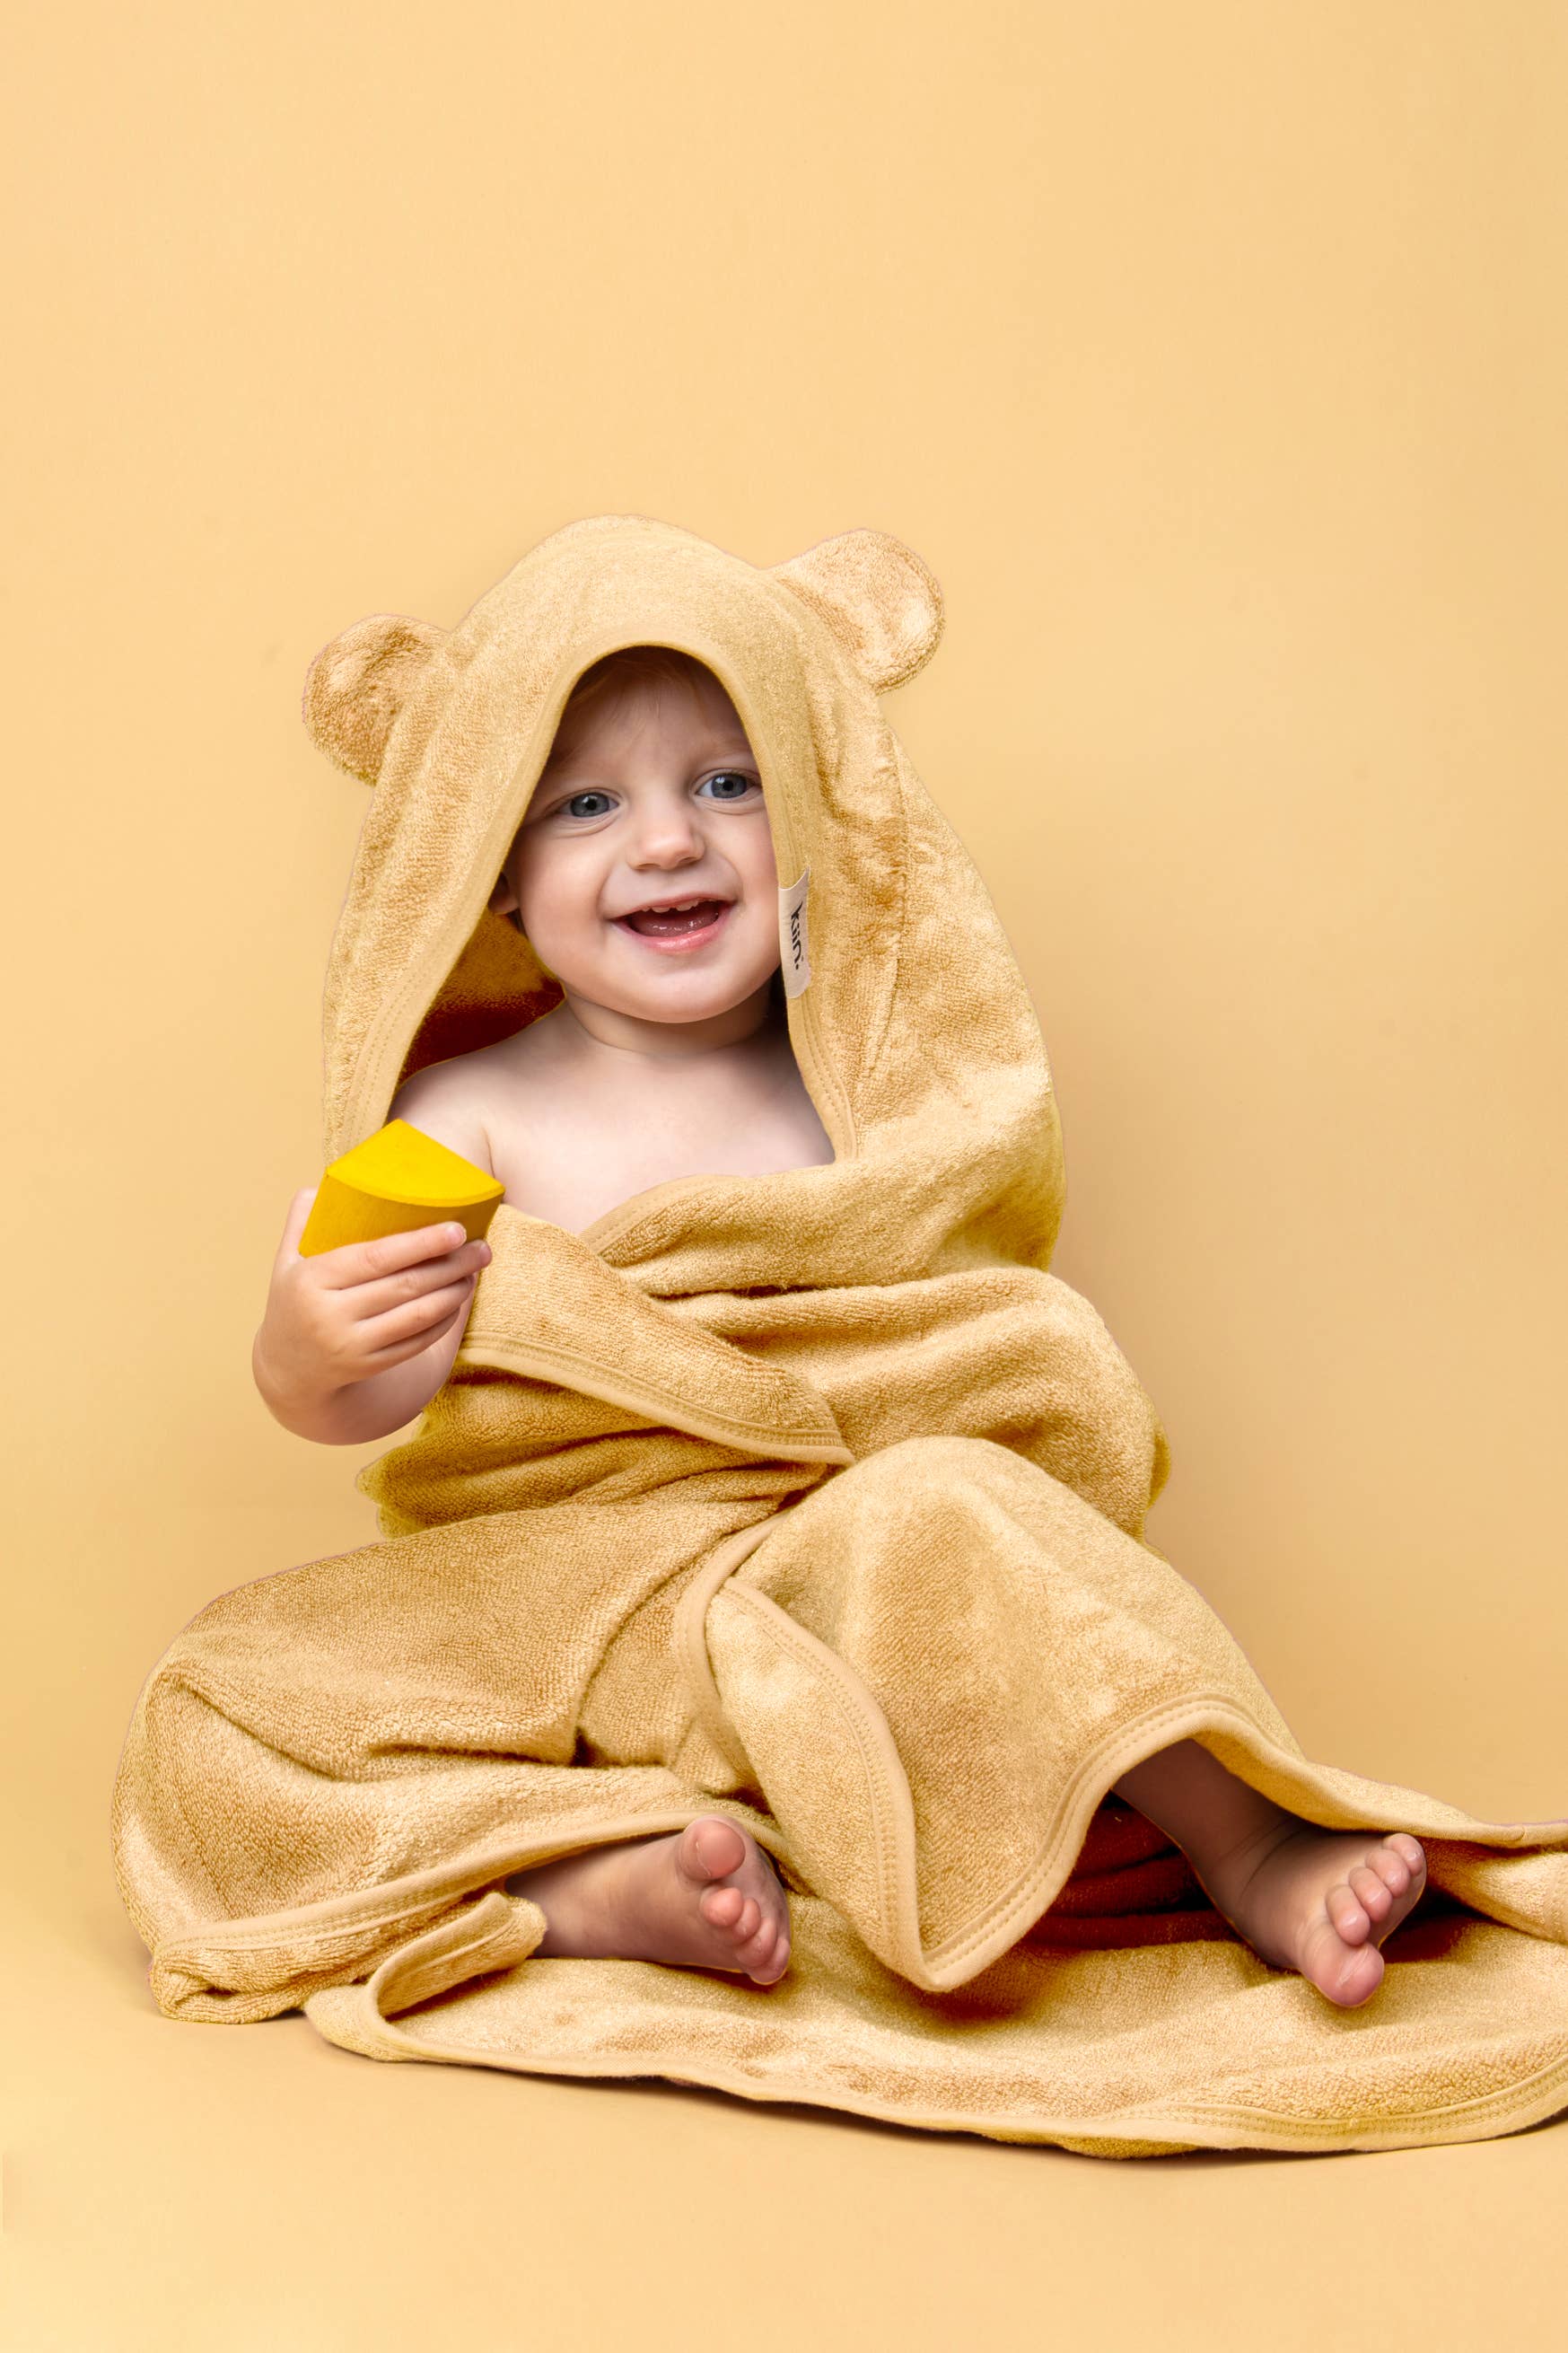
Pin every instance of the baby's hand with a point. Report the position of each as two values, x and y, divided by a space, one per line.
343 1315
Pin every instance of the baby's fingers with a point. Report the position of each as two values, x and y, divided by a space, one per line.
394 1263
380 1340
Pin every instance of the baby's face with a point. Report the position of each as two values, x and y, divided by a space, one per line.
653 795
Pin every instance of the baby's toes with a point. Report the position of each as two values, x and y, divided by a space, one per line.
1372 1892
711 1848
1351 1918
768 1954
739 1918
753 1950
1411 1852
1391 1868
722 1907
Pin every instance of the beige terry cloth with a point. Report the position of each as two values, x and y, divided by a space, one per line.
814 1497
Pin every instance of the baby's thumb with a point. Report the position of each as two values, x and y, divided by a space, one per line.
294 1224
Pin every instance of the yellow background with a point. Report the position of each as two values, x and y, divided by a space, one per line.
1213 357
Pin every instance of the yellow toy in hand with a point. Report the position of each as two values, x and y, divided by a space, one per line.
395 1182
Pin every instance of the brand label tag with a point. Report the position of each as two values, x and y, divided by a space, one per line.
794 952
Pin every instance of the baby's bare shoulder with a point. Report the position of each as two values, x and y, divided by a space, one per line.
447 1101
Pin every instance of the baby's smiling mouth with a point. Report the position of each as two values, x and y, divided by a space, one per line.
674 918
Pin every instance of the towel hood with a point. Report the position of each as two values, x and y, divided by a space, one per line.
910 1021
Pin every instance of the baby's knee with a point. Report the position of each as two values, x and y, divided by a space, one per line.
937 1447
941 1474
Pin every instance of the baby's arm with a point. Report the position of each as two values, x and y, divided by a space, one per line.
356 1341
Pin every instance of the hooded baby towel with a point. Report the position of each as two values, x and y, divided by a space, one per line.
814 1498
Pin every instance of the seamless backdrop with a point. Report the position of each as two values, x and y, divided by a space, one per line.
1214 360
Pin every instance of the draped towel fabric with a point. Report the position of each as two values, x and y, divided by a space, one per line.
813 1497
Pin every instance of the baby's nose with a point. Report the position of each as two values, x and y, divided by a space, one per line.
672 840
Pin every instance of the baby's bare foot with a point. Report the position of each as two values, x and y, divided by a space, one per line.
705 1898
1320 1900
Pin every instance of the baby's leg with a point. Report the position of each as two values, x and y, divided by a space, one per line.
705 1898
1304 1898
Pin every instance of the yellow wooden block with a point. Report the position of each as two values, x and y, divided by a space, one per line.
395 1181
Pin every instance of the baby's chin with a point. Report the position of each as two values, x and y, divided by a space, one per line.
684 998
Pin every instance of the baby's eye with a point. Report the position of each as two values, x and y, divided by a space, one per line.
589 793
734 777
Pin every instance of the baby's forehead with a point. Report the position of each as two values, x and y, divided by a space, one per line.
697 705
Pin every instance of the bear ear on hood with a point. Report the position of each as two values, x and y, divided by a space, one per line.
877 597
359 682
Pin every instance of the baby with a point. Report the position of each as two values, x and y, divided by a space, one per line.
643 874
